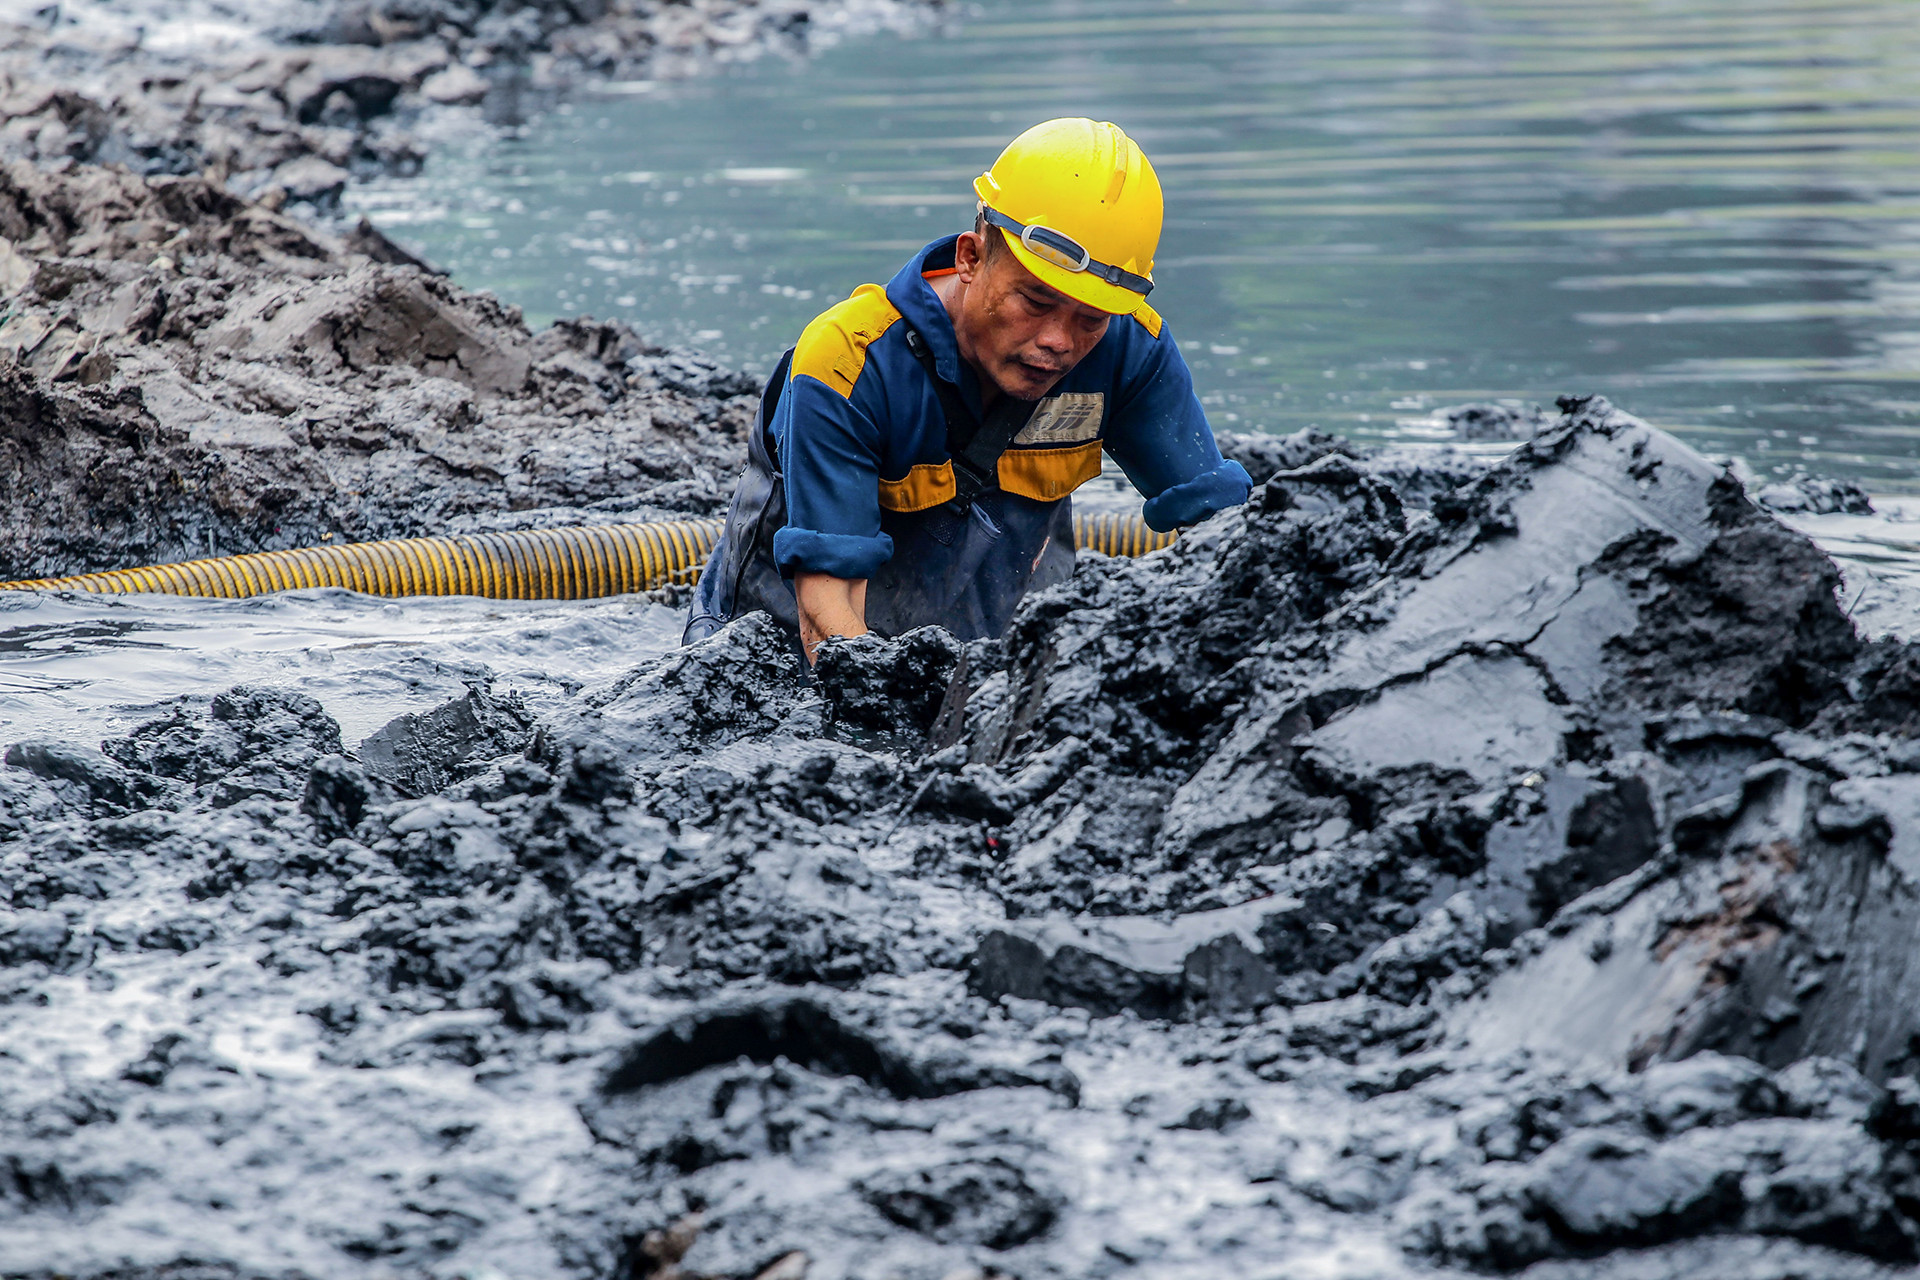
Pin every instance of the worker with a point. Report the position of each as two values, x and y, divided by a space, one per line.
915 450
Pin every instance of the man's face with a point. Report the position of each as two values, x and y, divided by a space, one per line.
1024 335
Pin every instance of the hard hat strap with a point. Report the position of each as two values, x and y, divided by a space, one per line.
1065 252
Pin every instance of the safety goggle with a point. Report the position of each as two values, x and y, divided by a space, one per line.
1065 252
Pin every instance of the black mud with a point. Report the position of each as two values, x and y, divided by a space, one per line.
1516 877
186 373
290 100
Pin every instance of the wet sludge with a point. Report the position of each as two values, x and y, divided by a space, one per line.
1517 876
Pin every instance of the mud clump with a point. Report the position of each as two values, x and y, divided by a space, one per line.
1495 420
1816 495
420 754
986 1202
185 373
887 687
1522 879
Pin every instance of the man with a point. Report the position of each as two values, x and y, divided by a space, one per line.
916 449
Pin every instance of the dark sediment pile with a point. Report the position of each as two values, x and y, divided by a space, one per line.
1525 883
291 99
186 373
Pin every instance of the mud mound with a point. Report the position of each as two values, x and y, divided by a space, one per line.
1494 420
289 100
1527 885
1417 475
184 373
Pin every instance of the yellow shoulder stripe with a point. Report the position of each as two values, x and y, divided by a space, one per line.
833 349
1149 319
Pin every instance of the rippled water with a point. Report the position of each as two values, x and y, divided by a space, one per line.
79 667
1707 209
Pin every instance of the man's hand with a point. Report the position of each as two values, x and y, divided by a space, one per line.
829 606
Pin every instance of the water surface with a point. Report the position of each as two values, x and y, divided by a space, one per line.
1706 209
79 667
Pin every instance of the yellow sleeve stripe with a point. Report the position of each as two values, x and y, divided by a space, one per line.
1149 319
927 485
833 349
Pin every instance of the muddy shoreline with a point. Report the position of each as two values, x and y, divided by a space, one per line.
1440 866
191 374
289 100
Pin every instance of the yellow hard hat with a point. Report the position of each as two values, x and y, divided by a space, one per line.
1081 209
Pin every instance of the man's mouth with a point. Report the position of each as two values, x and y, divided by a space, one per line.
1038 371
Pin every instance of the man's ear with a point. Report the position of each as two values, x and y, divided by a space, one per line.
969 255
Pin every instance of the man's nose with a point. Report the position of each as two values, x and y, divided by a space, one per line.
1053 336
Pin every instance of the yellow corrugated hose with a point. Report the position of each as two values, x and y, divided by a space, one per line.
578 563
1116 535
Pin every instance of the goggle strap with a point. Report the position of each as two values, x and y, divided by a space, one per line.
1100 270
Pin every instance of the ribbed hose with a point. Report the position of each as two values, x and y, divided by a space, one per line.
531 564
1117 535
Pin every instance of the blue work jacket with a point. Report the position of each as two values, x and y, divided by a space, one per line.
852 451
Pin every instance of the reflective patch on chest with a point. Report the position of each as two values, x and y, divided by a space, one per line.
1070 418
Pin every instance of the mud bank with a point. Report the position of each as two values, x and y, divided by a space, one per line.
1523 885
184 373
288 100
185 370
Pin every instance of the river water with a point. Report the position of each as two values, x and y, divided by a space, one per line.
77 667
1708 210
